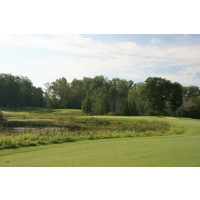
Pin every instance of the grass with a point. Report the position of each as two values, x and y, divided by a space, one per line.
149 151
173 149
28 114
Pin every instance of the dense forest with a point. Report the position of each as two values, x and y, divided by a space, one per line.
101 96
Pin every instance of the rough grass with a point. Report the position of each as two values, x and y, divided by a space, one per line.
68 126
39 113
91 130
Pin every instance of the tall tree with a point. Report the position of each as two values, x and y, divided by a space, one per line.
26 91
118 95
38 99
175 97
87 105
162 94
17 91
137 100
157 92
99 101
61 92
191 102
78 93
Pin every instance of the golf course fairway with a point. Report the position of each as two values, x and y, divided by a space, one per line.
154 151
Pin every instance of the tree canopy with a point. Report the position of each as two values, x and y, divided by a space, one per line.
18 91
101 96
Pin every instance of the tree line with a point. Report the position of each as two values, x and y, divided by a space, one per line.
101 96
18 91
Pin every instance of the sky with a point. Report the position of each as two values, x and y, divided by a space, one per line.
44 58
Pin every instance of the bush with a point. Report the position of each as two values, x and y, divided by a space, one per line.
2 120
192 112
1 116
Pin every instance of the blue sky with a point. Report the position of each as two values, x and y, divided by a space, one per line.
44 58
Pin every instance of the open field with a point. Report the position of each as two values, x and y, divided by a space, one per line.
172 149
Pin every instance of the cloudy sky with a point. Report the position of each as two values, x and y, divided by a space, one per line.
44 58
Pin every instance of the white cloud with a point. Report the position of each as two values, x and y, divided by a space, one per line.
155 41
83 56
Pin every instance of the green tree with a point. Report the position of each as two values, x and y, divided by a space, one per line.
10 91
61 90
17 91
26 91
99 101
191 92
191 102
157 91
87 105
118 96
78 93
137 100
49 97
175 97
58 94
38 99
164 97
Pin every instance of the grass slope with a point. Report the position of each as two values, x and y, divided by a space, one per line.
172 150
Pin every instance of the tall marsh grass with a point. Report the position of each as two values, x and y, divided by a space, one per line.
87 129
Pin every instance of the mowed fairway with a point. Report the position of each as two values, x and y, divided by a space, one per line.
171 150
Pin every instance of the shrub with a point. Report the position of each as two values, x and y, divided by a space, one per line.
2 120
192 112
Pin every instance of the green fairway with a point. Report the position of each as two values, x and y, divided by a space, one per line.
170 150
